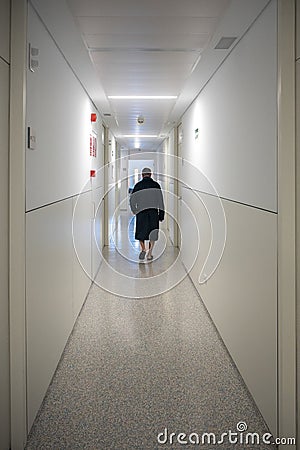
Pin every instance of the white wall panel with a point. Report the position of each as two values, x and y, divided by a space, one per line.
4 29
59 250
59 111
97 163
60 255
4 312
97 229
171 164
98 204
58 277
60 22
82 259
124 180
235 151
298 225
49 256
4 318
97 194
241 293
236 118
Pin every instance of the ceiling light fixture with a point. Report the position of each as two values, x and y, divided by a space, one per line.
142 97
138 135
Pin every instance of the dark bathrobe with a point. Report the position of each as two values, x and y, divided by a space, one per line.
146 201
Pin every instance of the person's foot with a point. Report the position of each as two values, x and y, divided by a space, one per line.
142 254
149 257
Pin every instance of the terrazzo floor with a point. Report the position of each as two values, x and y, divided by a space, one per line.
136 367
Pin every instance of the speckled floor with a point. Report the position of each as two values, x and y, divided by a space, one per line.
135 367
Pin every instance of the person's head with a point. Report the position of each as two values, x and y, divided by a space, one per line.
146 172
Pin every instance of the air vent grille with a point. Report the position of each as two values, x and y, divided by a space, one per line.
225 43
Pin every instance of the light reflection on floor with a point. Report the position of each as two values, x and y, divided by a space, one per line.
124 274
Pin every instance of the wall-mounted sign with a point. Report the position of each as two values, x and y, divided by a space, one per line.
93 145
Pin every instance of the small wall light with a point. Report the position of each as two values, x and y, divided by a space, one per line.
93 117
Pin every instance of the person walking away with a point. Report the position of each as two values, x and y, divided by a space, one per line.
146 202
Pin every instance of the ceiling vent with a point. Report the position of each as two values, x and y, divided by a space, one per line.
224 43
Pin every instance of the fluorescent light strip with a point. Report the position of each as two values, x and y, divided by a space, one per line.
138 136
142 97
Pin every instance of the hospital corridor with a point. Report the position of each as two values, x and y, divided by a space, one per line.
149 228
134 367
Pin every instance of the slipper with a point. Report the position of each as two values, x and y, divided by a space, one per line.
149 257
142 255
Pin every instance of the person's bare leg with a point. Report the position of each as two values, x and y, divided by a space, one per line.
143 250
151 245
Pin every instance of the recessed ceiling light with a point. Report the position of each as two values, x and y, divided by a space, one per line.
142 97
138 135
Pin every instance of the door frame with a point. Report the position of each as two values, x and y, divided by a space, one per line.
17 226
286 324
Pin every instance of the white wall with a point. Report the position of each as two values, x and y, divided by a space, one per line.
171 165
170 186
61 203
236 148
4 317
110 195
166 163
98 186
237 140
60 165
298 202
124 174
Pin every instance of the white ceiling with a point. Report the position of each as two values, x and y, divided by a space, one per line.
141 47
157 47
